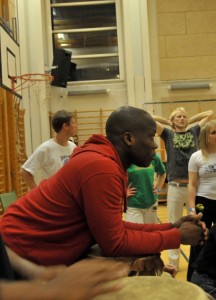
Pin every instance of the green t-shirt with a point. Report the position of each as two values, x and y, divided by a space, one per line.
143 180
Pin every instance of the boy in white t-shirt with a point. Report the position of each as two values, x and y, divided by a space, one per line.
51 155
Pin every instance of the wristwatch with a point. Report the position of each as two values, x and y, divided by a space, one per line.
192 209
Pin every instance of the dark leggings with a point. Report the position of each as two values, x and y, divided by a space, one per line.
207 283
208 209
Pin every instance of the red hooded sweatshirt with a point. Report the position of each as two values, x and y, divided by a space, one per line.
82 204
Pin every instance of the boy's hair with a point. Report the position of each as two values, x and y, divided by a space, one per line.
175 111
59 118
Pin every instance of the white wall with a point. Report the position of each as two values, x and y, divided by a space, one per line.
32 61
36 47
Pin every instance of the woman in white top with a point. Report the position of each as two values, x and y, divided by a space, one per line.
202 181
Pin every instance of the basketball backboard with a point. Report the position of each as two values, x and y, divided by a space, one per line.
10 61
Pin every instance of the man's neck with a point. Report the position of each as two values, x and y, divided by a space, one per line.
61 140
180 129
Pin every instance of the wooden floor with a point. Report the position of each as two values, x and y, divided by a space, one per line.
182 274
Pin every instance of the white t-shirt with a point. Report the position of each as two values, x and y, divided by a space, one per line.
206 169
49 157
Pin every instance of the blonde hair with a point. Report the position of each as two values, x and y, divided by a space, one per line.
204 137
175 111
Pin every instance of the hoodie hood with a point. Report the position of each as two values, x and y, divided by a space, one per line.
100 144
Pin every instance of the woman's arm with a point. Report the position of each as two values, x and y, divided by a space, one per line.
192 190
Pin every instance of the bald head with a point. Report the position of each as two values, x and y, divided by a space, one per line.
127 119
131 131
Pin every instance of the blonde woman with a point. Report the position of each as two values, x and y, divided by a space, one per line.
202 181
180 142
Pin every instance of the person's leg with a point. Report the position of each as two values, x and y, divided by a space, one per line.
194 252
207 208
134 215
207 283
176 198
212 209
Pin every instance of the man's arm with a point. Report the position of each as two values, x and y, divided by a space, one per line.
28 178
202 118
160 122
117 238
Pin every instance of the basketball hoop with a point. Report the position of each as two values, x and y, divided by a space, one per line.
21 82
38 85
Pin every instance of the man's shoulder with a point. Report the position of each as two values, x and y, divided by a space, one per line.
47 143
167 133
97 162
44 147
195 128
72 144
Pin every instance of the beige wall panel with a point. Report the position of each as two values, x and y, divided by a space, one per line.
201 22
162 46
185 5
171 24
196 5
188 68
186 97
211 4
172 5
190 45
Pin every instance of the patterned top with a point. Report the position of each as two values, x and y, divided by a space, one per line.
179 148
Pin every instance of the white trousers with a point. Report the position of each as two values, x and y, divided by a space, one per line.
176 198
142 215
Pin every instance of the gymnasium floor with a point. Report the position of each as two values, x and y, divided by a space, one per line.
182 274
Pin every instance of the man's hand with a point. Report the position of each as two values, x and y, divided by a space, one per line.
191 233
196 226
194 217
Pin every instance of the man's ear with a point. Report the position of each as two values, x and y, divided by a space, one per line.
128 138
65 125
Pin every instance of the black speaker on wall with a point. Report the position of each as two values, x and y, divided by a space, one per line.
61 67
72 73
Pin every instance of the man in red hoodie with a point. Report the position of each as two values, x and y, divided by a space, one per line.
82 204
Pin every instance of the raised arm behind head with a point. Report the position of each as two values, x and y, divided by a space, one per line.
202 117
178 120
174 119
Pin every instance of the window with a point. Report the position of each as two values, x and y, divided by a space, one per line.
89 30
